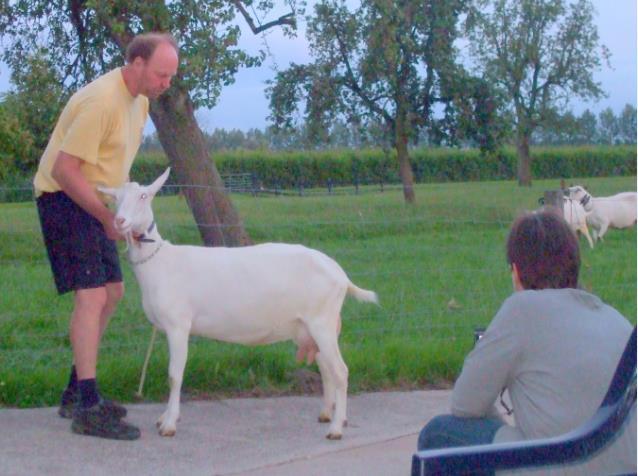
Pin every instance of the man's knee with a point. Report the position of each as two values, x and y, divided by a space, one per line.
90 300
432 434
114 293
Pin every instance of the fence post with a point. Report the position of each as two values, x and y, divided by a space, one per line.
553 200
253 180
329 186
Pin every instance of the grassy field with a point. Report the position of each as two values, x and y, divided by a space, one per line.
438 267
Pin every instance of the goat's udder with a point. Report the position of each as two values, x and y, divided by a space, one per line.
307 349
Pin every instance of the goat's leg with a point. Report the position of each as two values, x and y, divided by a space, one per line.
603 229
585 232
336 367
329 390
178 350
594 233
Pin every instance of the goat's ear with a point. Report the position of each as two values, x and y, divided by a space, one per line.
107 191
155 186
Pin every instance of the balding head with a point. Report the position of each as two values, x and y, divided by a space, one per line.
144 45
152 62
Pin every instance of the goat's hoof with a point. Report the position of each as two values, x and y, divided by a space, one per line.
333 436
323 418
167 432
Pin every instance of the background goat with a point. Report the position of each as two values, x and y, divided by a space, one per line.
616 211
250 295
576 216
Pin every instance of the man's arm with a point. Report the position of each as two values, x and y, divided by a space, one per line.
487 368
66 172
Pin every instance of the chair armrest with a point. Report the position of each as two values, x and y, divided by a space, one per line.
576 445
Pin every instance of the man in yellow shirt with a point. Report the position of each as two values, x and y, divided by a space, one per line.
94 143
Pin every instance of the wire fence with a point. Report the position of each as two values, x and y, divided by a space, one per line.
236 183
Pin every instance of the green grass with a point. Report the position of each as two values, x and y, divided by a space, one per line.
448 248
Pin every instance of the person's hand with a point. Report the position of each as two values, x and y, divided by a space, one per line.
112 233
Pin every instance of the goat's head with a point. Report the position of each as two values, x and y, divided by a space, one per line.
576 192
579 193
133 204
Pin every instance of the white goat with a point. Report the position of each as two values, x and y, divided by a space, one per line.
616 211
576 216
249 295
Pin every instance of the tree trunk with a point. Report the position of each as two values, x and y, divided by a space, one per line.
183 142
405 168
524 161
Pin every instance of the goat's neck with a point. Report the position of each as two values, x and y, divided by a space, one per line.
144 247
587 202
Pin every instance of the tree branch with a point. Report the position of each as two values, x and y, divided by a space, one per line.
121 38
287 19
351 82
76 8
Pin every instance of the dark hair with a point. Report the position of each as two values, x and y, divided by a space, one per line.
545 251
144 45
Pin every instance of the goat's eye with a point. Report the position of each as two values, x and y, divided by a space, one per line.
143 196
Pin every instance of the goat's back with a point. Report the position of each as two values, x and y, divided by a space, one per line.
618 210
252 294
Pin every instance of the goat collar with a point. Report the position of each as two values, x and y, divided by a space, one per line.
585 200
149 257
142 238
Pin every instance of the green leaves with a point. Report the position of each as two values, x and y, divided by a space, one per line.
16 143
384 62
28 113
86 38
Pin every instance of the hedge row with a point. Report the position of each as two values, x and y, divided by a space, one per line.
290 170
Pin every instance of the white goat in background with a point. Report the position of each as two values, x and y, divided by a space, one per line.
576 217
250 295
616 211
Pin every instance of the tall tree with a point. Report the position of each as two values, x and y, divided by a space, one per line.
609 129
39 96
627 124
541 53
85 38
33 102
387 62
16 142
587 127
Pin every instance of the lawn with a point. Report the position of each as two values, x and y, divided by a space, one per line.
438 267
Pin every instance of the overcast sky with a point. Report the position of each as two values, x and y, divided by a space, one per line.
243 105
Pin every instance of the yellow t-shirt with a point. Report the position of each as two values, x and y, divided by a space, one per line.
102 124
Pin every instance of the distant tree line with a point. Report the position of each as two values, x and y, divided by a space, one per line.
604 128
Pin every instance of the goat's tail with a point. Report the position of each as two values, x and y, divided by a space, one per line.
362 294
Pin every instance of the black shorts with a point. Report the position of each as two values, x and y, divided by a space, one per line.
81 255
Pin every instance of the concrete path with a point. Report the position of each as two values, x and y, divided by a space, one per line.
245 436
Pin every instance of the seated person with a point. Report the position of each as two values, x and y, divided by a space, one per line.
554 347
